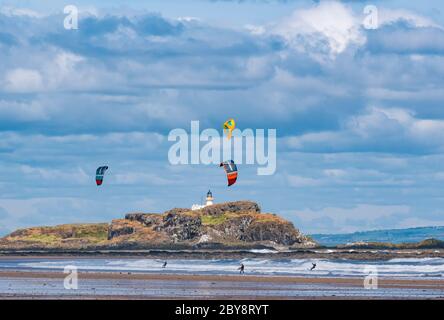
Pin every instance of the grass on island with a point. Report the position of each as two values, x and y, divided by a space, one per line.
212 220
42 238
53 235
96 232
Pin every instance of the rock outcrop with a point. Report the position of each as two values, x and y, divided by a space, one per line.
181 227
237 206
227 225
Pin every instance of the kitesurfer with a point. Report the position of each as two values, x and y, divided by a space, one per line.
231 171
100 172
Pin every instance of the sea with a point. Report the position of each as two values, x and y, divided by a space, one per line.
426 268
393 236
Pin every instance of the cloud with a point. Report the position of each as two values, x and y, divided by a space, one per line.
144 70
388 16
379 129
344 220
19 12
358 113
23 80
51 211
298 181
135 178
404 39
330 27
64 176
335 173
22 111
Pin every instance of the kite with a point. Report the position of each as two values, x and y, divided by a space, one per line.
229 126
100 172
231 170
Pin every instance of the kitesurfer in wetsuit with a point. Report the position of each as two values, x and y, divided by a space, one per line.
314 266
164 264
241 268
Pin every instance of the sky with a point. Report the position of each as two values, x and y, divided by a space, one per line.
358 112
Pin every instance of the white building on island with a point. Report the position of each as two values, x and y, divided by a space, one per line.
209 202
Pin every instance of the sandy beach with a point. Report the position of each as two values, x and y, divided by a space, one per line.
127 285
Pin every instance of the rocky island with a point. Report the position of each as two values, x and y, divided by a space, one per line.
230 225
226 230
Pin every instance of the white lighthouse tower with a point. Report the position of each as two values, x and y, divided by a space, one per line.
209 202
209 198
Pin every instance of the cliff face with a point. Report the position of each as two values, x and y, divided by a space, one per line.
225 225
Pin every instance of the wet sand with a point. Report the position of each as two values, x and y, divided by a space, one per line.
125 285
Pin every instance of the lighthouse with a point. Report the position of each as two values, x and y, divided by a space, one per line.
209 198
209 202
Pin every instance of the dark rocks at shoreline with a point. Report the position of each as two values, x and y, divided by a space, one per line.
361 255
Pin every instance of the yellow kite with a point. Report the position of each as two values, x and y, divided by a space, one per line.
229 126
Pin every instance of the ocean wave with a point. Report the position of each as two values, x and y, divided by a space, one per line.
424 267
263 251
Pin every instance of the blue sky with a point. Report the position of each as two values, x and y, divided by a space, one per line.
358 112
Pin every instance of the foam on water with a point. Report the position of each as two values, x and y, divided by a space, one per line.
263 251
424 267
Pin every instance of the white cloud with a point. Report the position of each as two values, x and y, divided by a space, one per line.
389 16
20 12
330 22
23 80
189 19
420 95
63 67
382 127
343 220
23 111
44 211
298 181
138 178
256 30
66 176
335 173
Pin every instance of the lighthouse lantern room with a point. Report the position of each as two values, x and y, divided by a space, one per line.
209 198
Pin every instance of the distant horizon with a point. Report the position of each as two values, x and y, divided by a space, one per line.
375 230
